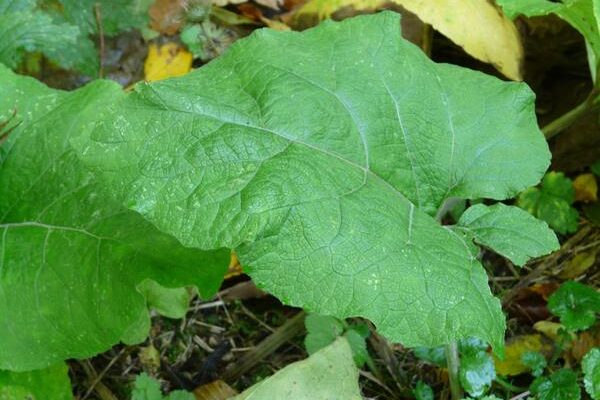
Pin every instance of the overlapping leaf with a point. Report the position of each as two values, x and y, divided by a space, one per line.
49 383
329 373
70 257
509 231
320 156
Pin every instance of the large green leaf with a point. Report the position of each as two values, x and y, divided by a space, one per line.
510 231
320 156
330 373
70 257
51 383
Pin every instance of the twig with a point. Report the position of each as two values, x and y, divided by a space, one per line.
99 377
521 396
281 335
98 15
564 121
101 390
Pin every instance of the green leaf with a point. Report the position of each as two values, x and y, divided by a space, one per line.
42 384
595 167
170 302
423 391
580 14
324 196
432 355
148 388
575 304
477 369
358 345
25 28
117 15
591 372
508 231
535 361
330 373
561 385
552 202
71 259
322 330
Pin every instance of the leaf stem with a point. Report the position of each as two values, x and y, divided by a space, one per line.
453 362
564 121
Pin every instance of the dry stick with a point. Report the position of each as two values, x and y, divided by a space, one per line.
99 377
287 331
101 390
98 16
386 354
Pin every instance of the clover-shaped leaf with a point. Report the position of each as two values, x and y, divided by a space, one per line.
562 384
552 202
575 304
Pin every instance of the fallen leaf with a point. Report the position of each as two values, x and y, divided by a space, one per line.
234 268
168 60
550 330
586 188
149 358
167 16
217 390
479 27
325 8
515 348
578 265
584 342
544 289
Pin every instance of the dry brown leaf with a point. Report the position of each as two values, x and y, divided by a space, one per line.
167 16
578 265
217 390
586 188
584 342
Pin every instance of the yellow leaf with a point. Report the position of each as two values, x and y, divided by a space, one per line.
586 188
325 8
478 27
515 348
550 330
166 61
235 268
578 265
